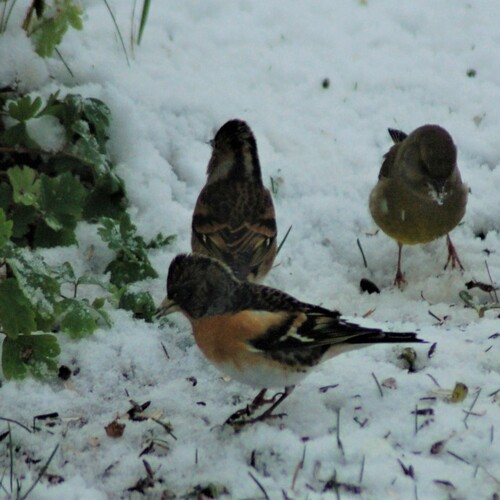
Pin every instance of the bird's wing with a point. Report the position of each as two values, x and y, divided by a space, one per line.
397 135
243 240
387 168
297 332
318 327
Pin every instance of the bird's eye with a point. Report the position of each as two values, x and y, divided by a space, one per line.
423 167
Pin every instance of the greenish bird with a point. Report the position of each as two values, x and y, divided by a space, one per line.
419 196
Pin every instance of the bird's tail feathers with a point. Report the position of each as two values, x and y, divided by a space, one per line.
375 335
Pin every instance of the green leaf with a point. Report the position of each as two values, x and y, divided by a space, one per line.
5 195
98 303
46 237
35 282
49 36
91 279
64 273
88 151
74 15
110 233
29 353
25 185
78 318
140 303
16 312
24 108
17 135
61 200
161 241
49 32
52 106
47 324
104 202
22 217
99 116
131 263
5 229
125 271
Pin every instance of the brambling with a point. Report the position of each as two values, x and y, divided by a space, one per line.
419 196
234 218
258 335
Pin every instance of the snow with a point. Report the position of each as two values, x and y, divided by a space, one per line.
389 64
48 133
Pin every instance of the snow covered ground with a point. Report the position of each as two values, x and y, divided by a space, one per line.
388 64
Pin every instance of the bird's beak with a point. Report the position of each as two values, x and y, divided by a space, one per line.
439 186
168 306
438 189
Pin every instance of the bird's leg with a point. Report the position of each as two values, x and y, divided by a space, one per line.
399 280
452 255
276 400
250 409
259 401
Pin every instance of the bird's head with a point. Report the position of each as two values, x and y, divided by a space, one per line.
430 160
234 152
199 286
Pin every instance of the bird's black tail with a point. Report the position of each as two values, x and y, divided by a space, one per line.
375 336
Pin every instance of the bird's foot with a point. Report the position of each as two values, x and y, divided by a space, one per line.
452 255
244 416
400 280
239 423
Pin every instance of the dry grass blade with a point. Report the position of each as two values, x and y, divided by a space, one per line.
491 281
56 50
378 385
283 240
339 442
42 472
261 488
4 18
117 30
362 253
362 471
458 457
144 18
299 467
416 419
472 406
11 453
16 422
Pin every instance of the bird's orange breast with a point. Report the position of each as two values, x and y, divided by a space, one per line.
224 338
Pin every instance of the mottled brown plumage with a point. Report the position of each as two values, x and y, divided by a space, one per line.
259 335
419 196
234 219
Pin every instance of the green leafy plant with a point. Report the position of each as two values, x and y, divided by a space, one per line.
49 182
140 303
131 262
46 191
32 303
50 23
